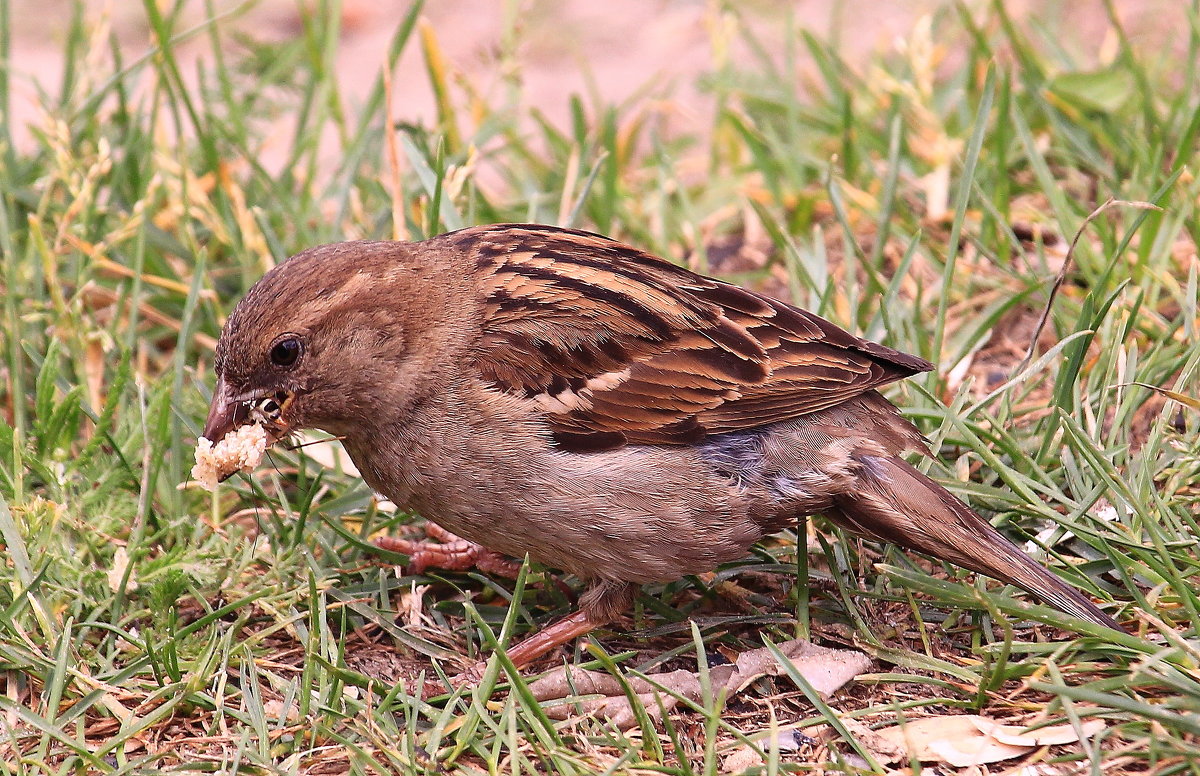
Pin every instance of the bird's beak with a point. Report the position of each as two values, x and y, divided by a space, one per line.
224 414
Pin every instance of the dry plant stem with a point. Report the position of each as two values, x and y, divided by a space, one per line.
395 178
449 552
1068 260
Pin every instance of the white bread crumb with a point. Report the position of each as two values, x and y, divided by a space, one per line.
241 449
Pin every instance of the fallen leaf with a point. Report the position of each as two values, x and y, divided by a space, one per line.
116 571
882 747
825 669
966 739
740 760
275 710
955 740
578 681
611 703
744 757
1051 735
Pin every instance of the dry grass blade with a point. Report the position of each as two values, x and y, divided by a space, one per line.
1182 398
1065 270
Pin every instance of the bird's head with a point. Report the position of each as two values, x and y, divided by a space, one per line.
338 337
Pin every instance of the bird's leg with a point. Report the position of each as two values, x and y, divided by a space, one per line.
601 604
449 552
554 635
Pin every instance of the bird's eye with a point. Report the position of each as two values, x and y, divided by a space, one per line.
286 352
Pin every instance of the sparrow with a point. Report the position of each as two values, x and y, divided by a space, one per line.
538 390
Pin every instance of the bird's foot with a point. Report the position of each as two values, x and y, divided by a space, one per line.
449 552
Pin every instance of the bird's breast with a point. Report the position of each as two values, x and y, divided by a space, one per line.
490 474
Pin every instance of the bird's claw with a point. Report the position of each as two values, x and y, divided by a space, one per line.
449 552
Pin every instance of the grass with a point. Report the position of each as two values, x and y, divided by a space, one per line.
923 203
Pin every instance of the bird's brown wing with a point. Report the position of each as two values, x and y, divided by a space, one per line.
619 346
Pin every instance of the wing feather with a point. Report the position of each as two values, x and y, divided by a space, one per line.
619 346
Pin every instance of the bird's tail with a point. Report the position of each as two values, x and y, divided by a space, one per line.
898 504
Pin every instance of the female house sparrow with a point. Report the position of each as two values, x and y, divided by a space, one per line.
555 392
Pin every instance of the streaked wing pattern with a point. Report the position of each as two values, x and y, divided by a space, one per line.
666 356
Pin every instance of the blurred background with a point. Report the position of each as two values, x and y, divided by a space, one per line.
543 52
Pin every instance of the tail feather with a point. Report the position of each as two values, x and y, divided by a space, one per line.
896 503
